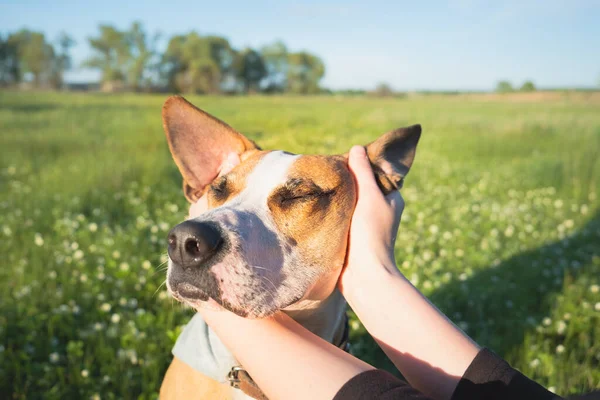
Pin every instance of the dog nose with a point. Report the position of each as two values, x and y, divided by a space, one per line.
192 243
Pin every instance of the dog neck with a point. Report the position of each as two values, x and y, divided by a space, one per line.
325 318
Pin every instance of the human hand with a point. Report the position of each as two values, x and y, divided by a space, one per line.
374 223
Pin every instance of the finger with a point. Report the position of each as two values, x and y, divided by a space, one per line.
361 168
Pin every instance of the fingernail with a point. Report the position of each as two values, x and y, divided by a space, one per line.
358 151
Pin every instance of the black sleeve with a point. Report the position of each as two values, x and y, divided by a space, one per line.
380 385
488 377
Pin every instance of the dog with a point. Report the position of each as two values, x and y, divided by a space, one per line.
274 236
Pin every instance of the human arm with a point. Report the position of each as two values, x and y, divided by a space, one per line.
429 350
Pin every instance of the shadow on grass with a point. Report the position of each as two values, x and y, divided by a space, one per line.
501 302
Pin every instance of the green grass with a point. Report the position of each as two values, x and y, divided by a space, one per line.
501 229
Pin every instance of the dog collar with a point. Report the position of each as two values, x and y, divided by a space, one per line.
239 378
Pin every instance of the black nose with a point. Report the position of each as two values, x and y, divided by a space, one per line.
192 243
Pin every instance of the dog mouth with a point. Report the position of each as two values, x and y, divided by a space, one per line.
185 291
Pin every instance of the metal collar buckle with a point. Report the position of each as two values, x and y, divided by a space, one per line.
233 376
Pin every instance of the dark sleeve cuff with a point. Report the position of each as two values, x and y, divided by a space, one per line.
377 384
490 377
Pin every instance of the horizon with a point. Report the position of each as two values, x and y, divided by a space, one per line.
458 45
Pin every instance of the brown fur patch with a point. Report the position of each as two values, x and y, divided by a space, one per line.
232 184
317 210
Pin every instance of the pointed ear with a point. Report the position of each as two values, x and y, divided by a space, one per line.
392 156
202 145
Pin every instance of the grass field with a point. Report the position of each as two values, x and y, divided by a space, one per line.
501 229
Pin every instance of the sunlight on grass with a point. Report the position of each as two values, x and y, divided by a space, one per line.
501 229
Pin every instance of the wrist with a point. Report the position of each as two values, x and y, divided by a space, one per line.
363 278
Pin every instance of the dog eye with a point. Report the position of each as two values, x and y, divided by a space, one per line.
219 188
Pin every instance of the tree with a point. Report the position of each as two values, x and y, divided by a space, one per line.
250 69
197 64
125 57
383 90
10 73
62 59
305 70
110 54
528 86
34 56
504 87
275 58
141 54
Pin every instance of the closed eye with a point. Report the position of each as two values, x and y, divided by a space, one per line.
219 188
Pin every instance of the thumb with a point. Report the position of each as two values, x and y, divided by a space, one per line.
359 164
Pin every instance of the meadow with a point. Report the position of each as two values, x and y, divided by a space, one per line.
501 228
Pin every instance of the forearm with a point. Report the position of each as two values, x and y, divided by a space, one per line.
429 350
285 359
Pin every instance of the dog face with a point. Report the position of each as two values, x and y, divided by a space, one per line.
277 224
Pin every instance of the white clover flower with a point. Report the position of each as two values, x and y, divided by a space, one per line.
74 246
115 318
597 306
584 209
83 278
447 235
54 357
534 363
355 325
146 264
427 255
164 258
560 349
124 266
95 396
558 203
154 229
547 321
100 276
105 307
106 379
427 284
163 226
459 252
561 327
52 274
98 326
510 230
85 373
163 295
122 301
93 227
6 230
463 277
567 316
116 254
594 288
78 255
434 229
11 170
38 240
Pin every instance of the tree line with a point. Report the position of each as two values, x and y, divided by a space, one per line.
130 59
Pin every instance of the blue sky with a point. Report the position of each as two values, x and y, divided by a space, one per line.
453 44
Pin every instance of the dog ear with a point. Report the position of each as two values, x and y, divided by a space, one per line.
392 156
202 145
